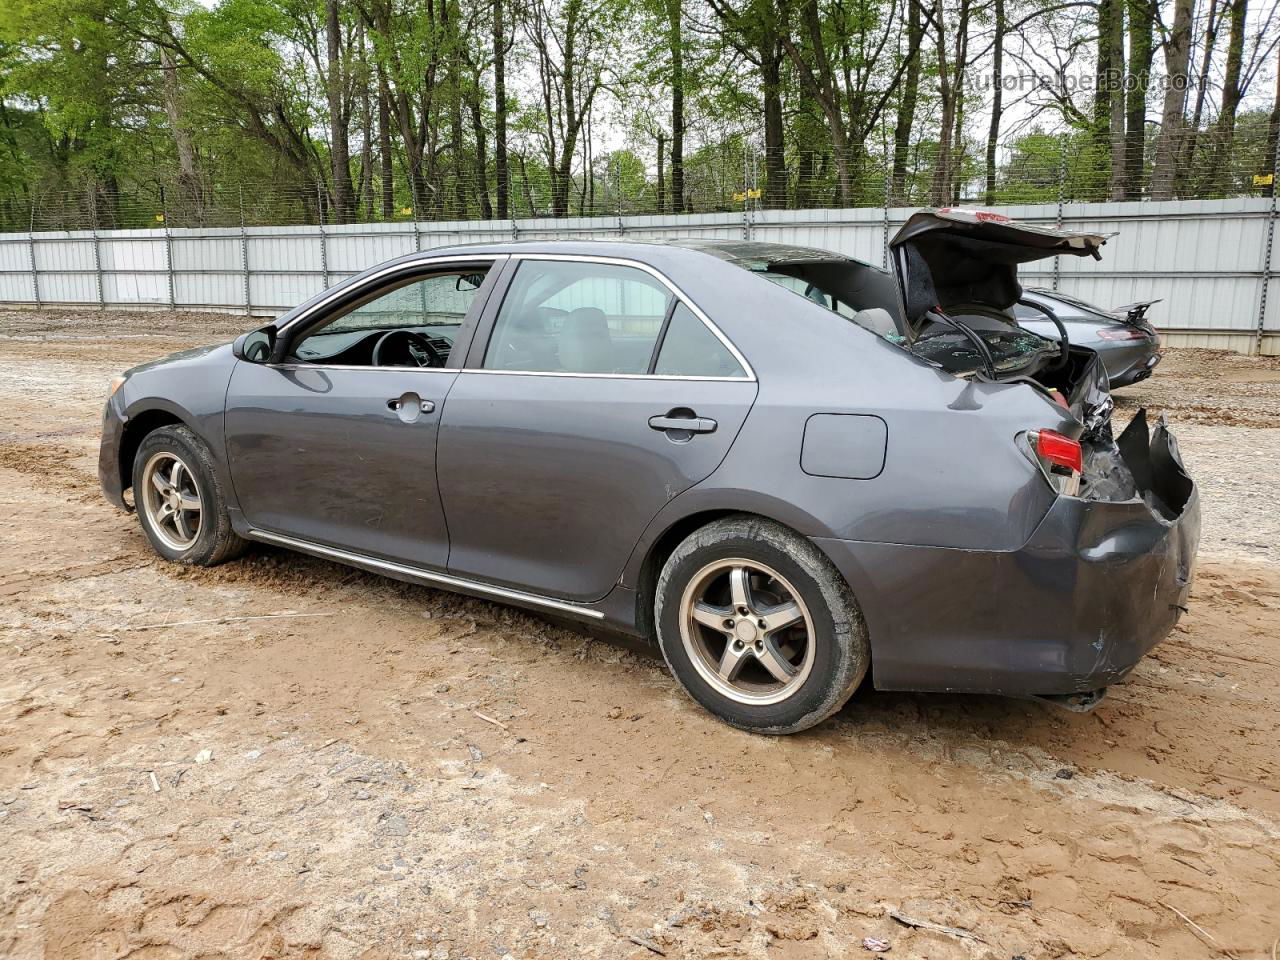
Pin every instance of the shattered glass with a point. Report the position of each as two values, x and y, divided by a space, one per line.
1012 350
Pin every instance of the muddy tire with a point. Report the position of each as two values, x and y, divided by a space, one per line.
759 627
179 501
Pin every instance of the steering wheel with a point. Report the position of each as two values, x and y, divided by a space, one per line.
410 339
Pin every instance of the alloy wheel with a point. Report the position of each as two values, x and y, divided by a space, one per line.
747 631
171 499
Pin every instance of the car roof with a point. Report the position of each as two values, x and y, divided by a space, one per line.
649 250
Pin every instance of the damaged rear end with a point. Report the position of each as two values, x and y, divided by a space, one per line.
1107 572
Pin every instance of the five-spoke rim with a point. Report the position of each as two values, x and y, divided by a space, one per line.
747 631
171 498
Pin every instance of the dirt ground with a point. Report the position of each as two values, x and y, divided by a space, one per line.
385 771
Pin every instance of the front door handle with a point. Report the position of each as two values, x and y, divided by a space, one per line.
399 403
409 407
689 424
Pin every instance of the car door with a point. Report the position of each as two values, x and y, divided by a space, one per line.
333 446
593 394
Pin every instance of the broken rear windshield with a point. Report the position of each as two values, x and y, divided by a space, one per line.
864 294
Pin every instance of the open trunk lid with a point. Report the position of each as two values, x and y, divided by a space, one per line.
956 257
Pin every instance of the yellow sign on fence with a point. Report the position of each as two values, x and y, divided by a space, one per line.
1263 179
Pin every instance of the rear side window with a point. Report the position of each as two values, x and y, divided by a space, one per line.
690 349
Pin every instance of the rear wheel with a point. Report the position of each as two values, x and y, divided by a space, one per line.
180 504
758 627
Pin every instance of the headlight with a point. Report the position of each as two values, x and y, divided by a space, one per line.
116 384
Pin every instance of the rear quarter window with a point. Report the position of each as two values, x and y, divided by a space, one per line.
689 349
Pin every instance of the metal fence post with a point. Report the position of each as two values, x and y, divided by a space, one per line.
97 253
1267 249
244 258
31 251
1062 185
168 252
324 246
884 252
617 189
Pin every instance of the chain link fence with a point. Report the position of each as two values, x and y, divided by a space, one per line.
1033 168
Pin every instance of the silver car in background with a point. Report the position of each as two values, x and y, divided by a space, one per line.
1123 338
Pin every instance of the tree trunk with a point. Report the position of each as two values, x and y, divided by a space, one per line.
1102 68
339 148
1116 98
1177 49
189 190
364 185
500 168
997 91
775 163
1273 136
1219 174
458 149
1141 22
662 172
366 153
675 27
1192 137
385 158
950 86
482 153
907 104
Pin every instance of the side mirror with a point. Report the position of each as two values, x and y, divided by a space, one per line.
467 282
255 347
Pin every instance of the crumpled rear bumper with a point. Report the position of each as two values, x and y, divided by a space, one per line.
1074 609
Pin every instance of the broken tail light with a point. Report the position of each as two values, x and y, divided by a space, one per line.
1060 459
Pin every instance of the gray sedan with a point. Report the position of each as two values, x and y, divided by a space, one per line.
789 469
1124 338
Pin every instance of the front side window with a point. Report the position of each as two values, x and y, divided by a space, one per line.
413 323
569 317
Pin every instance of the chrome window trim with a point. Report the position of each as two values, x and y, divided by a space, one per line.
424 576
750 374
355 366
497 258
390 270
600 376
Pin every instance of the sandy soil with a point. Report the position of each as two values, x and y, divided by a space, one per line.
382 770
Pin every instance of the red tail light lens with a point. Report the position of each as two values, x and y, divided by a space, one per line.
1059 450
1128 333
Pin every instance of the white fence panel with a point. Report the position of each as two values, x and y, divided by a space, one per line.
16 288
1205 259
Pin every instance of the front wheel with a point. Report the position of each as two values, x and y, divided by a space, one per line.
180 504
759 627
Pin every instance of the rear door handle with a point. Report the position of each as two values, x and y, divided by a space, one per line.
685 424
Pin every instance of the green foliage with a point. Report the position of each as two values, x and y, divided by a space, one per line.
115 111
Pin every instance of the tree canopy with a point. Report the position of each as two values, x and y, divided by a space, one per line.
132 112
